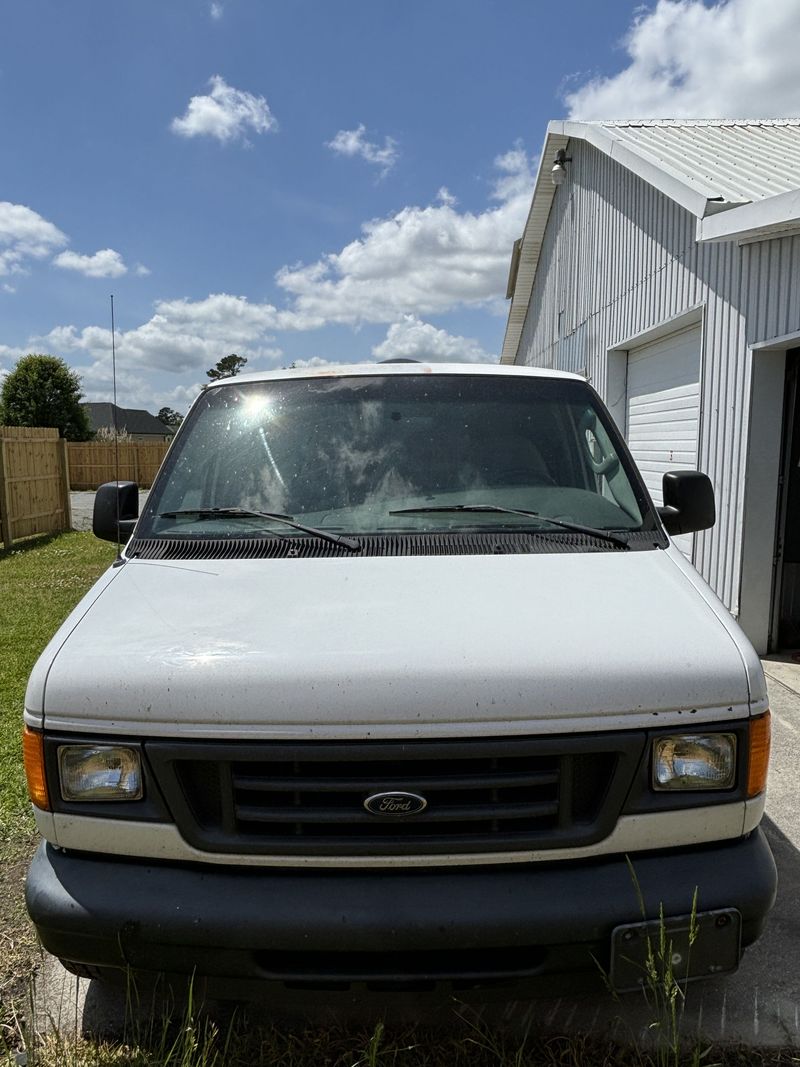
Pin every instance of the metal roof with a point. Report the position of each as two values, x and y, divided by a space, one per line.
706 166
732 162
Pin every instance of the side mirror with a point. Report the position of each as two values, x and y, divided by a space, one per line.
688 502
113 501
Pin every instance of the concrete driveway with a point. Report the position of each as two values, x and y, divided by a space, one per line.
82 505
758 1006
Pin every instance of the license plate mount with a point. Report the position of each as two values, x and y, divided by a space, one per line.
716 949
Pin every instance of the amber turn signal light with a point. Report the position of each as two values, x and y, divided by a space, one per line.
760 733
33 758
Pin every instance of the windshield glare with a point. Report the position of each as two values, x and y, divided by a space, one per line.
343 453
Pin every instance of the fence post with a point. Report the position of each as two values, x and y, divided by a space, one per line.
5 507
63 463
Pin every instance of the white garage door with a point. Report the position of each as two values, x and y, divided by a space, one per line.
663 410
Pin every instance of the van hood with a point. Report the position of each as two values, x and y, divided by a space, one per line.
394 646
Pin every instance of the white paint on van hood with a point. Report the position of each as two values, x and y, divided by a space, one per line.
397 646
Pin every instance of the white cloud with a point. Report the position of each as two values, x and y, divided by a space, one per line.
133 391
225 113
515 180
316 361
216 10
354 143
141 270
423 260
413 339
25 235
103 264
181 336
8 357
735 59
10 354
418 262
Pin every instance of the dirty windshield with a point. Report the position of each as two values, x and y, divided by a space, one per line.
345 454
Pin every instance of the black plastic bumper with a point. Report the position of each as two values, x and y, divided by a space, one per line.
307 928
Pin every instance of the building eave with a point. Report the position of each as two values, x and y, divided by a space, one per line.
771 217
530 245
650 169
699 202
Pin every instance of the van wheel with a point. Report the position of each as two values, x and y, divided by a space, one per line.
83 970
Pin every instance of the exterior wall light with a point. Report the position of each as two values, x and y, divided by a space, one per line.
559 171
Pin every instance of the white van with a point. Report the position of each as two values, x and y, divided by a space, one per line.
396 673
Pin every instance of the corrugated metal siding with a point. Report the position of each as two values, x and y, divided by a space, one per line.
619 258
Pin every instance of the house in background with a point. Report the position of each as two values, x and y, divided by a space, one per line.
662 261
139 424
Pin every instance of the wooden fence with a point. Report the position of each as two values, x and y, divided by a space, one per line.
34 483
38 469
93 463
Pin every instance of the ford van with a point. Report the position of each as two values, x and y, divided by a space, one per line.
399 682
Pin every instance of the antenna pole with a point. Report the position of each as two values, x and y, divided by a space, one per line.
115 420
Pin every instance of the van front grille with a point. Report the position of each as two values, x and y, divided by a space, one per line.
483 795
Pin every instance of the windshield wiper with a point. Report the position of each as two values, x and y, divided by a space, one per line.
604 535
244 513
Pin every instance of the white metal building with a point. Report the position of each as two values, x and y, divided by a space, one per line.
665 266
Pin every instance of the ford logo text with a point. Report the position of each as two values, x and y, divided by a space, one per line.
395 804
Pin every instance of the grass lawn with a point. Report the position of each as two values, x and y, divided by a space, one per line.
40 583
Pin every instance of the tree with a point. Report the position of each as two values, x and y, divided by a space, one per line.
227 367
41 390
169 417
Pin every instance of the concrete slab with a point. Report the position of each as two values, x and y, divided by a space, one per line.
82 504
758 1006
784 667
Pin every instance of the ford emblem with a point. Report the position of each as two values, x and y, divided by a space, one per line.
395 804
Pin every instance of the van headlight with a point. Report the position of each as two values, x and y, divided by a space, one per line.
694 761
100 772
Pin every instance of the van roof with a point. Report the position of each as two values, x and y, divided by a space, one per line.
337 370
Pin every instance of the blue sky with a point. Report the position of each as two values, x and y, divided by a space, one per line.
312 180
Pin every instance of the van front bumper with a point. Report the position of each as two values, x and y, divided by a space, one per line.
386 928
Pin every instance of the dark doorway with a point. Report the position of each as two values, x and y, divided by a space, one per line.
788 547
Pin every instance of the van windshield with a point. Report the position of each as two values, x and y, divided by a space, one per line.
346 454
